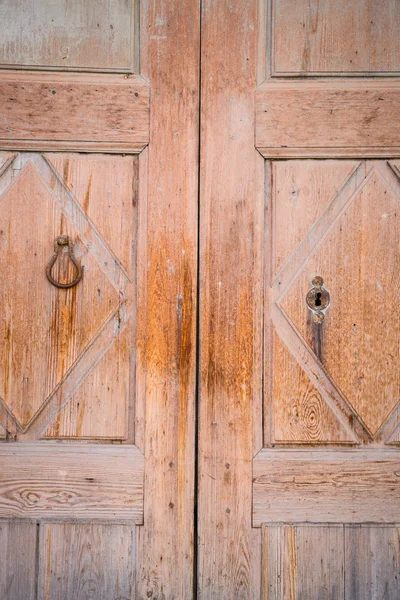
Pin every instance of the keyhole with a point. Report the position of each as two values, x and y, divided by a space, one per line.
318 299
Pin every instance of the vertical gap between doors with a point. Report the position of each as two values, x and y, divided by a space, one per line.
197 367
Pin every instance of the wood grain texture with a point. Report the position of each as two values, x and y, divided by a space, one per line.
170 47
18 560
372 562
331 486
349 37
300 413
86 561
230 296
73 112
331 562
301 191
71 481
44 363
358 342
307 119
303 562
88 35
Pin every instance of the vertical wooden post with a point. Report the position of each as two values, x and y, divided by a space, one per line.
231 239
170 60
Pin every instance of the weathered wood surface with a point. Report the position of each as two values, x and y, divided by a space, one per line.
331 486
372 569
88 35
346 245
45 480
303 562
307 119
230 294
51 339
91 112
170 46
331 562
86 561
346 37
18 541
358 346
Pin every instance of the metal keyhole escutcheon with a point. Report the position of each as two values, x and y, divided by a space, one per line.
59 244
318 299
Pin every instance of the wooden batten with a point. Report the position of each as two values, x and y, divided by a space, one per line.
357 486
310 120
79 481
44 112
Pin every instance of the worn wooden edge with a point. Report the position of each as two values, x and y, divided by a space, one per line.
364 524
72 481
331 152
329 486
74 146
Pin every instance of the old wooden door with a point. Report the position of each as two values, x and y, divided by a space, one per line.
299 458
286 114
97 379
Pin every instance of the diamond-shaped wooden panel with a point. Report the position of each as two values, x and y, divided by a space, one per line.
359 260
43 330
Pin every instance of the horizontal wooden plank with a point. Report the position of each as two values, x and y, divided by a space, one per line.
74 481
77 111
352 485
307 119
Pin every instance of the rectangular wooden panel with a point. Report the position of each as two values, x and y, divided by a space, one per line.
330 486
332 37
70 373
18 560
71 481
87 35
79 561
330 562
73 111
307 119
303 562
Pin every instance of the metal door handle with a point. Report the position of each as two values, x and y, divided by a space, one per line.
61 241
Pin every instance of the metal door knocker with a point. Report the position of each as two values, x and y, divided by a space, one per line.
318 299
59 244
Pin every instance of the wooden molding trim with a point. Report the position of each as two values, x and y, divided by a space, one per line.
80 112
302 485
328 119
53 480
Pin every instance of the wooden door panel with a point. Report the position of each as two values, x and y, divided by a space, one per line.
356 345
53 339
79 561
357 37
98 35
330 562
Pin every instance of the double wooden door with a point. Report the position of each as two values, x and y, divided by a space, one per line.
200 280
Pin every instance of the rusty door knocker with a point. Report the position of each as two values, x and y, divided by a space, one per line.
61 241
